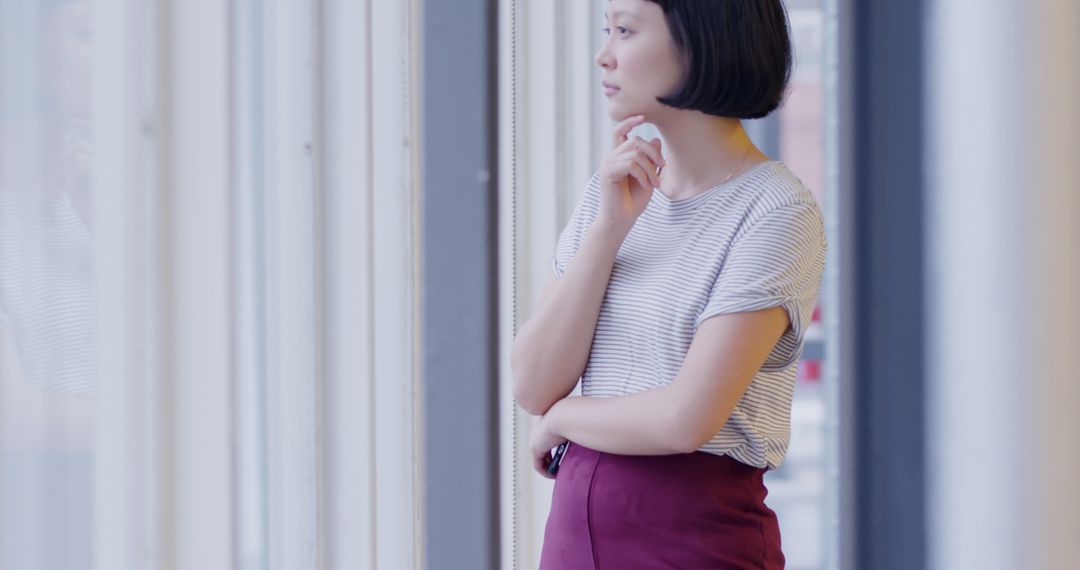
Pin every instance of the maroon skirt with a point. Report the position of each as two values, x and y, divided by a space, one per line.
687 511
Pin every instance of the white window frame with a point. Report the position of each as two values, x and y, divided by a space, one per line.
163 281
560 138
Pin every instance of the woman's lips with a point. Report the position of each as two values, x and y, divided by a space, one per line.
609 88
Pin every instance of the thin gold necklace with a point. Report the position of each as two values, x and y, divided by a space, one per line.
739 166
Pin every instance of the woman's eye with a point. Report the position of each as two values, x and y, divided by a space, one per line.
622 31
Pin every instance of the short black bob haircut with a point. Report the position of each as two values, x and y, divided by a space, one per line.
737 55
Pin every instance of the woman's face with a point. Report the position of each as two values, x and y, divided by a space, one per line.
639 58
67 45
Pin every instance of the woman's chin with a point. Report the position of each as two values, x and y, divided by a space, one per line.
618 113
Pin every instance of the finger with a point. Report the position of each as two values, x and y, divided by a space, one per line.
623 129
657 144
637 162
620 167
541 468
637 148
643 179
650 149
649 167
640 167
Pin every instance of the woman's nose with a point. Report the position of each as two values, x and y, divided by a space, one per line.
604 59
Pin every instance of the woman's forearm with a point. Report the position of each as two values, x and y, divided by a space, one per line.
550 351
644 423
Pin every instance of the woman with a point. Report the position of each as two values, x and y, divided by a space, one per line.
682 288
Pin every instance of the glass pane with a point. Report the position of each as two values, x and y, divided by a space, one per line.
797 488
46 298
795 134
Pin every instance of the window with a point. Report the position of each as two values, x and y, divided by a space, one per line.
556 115
200 233
47 263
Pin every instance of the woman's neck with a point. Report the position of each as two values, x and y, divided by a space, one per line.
703 151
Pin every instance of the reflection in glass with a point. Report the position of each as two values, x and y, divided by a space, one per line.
46 270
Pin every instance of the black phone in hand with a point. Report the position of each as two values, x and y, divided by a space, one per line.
553 467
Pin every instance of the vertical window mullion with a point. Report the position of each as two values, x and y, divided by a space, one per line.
292 357
394 256
126 430
195 287
349 497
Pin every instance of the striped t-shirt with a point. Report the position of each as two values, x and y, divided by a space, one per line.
753 243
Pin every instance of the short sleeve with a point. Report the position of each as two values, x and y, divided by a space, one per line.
573 232
777 262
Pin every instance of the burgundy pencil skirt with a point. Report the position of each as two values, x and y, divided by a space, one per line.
687 511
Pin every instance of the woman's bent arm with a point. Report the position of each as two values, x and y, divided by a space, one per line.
726 353
550 351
